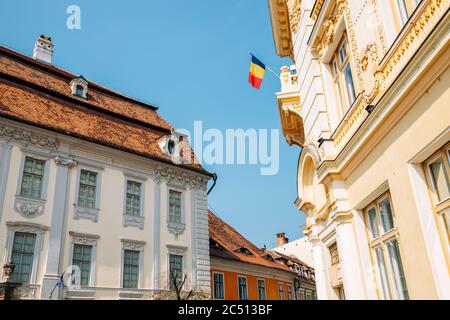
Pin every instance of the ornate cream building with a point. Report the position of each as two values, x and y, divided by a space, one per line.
94 185
368 101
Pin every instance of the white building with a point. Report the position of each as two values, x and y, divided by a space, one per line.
300 248
87 183
367 101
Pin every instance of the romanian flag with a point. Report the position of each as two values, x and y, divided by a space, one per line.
257 71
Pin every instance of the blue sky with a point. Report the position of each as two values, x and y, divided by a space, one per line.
190 59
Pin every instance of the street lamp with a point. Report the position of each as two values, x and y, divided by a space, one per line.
6 286
8 269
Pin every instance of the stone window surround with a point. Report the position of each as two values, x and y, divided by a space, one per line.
30 207
81 212
179 251
174 227
32 228
130 220
134 245
85 239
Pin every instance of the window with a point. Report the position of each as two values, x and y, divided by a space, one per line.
175 206
242 284
32 179
82 256
405 9
22 256
437 172
133 201
334 254
219 286
79 91
175 270
342 75
130 268
289 292
384 244
280 292
261 290
88 186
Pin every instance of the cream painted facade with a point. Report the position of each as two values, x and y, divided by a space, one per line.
58 223
367 100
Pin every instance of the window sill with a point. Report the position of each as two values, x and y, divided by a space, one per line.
87 213
29 207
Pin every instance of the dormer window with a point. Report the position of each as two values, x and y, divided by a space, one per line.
244 251
79 87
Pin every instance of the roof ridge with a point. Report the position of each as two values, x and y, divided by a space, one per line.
60 71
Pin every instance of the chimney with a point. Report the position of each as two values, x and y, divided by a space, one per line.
43 49
281 239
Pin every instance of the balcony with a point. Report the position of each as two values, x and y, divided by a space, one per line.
289 107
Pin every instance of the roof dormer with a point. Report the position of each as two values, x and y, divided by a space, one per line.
79 87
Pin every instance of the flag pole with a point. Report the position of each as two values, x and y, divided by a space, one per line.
270 70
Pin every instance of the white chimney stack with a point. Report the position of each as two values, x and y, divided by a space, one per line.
43 49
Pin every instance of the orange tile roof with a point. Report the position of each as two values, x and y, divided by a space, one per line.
39 94
231 241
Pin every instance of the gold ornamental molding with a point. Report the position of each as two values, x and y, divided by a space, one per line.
408 42
294 14
316 9
411 38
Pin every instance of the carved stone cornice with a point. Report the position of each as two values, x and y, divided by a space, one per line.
26 227
281 28
179 177
28 137
82 238
128 244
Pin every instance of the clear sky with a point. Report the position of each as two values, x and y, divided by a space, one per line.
190 59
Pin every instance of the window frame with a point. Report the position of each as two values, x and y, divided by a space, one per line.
239 288
85 239
381 241
182 204
23 227
265 289
439 207
339 77
22 254
281 295
132 245
26 154
82 212
139 253
214 285
410 7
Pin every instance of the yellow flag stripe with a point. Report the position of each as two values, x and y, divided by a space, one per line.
257 71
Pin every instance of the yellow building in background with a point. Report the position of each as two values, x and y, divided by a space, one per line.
367 99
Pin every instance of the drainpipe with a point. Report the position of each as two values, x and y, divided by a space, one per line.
214 184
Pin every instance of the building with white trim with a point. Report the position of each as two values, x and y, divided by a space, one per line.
96 186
